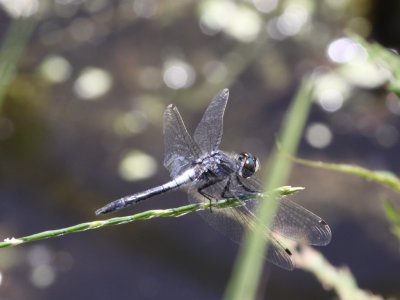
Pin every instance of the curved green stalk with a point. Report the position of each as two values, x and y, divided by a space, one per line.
155 213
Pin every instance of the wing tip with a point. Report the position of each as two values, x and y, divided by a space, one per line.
325 234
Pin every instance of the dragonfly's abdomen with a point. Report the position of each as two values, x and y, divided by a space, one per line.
185 177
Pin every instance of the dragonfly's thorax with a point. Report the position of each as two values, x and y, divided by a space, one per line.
217 165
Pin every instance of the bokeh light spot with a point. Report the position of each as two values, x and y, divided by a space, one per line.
20 8
265 6
137 165
318 135
331 91
39 255
178 74
344 50
247 25
92 83
292 20
331 100
218 15
55 68
42 276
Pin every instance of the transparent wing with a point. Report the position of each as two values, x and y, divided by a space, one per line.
180 149
299 224
233 221
277 252
208 133
291 221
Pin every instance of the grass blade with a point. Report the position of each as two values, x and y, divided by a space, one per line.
382 177
393 216
170 212
247 270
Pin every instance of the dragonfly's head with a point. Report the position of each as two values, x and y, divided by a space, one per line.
249 164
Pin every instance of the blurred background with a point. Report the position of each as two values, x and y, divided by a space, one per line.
83 86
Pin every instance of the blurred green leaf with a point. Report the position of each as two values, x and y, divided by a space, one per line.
11 50
247 271
382 177
337 278
393 216
383 56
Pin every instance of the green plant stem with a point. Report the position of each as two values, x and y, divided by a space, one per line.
247 270
171 212
341 280
382 177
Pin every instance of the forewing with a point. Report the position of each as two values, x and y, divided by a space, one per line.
208 133
180 149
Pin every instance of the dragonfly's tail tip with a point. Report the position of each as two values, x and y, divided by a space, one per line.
112 206
101 211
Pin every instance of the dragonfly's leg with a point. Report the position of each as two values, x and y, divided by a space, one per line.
238 178
226 188
225 193
204 194
202 191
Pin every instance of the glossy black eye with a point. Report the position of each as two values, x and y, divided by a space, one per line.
249 165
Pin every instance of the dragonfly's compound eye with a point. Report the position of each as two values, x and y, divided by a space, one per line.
249 164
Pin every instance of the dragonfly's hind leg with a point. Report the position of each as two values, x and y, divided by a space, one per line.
205 195
201 190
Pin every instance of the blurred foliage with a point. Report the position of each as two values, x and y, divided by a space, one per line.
12 48
385 178
387 58
247 271
393 216
81 100
23 106
339 279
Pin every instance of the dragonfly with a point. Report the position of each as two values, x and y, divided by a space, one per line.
210 174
